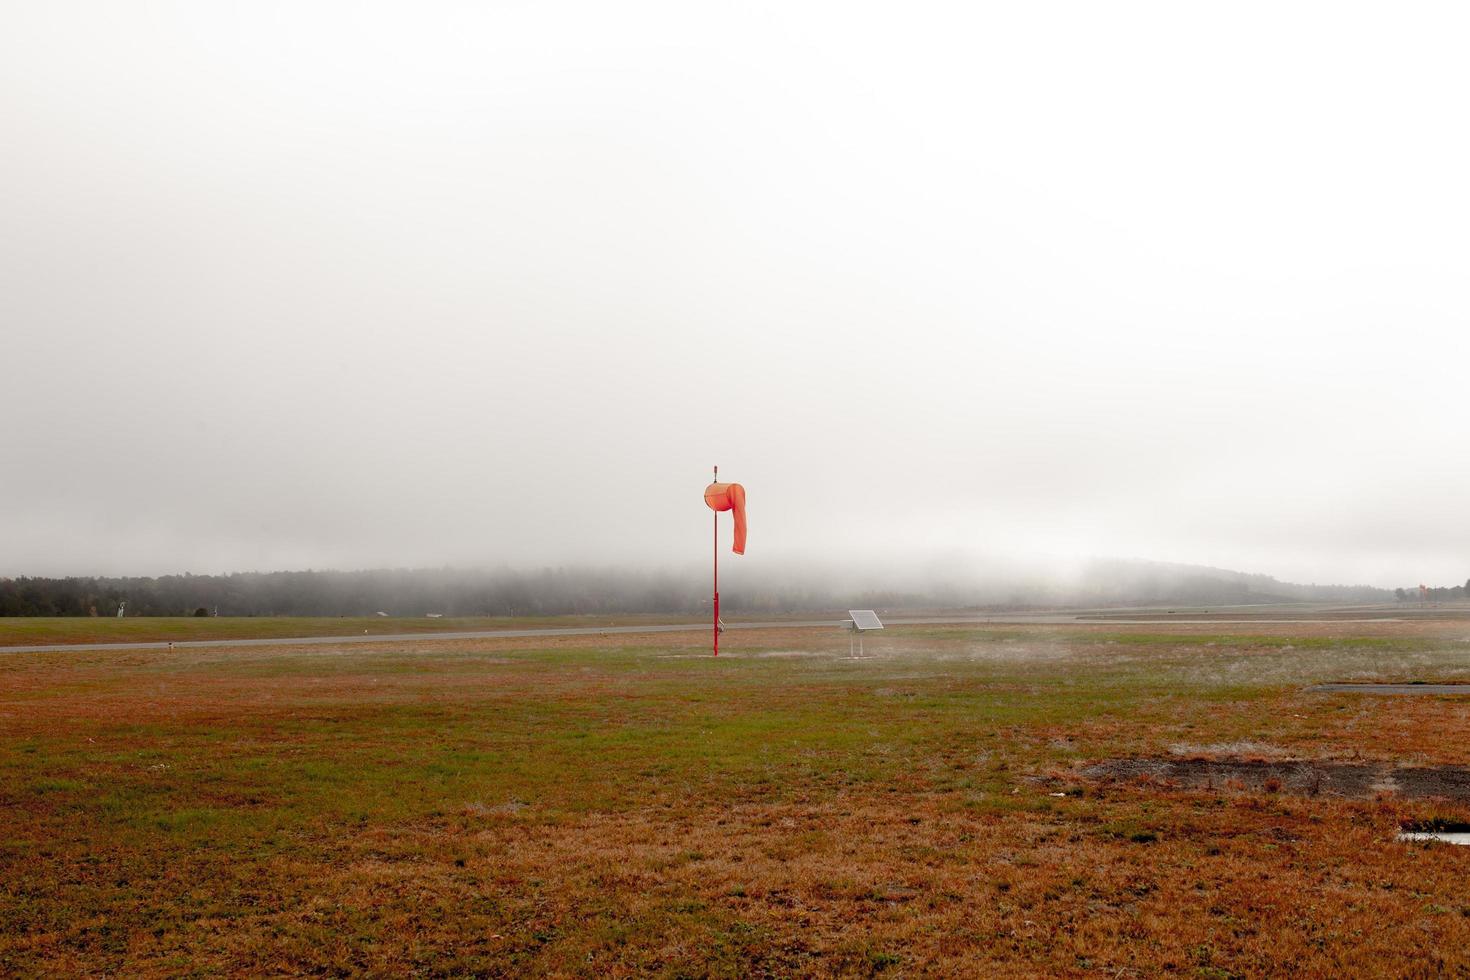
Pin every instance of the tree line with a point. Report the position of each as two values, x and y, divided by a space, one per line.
1435 594
336 593
419 592
596 591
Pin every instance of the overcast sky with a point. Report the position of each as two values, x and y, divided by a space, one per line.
289 285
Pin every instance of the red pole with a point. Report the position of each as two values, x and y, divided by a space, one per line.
717 572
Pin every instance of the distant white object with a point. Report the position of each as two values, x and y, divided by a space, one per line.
434 615
120 607
862 621
381 613
722 626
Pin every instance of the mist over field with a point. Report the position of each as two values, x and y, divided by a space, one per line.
360 286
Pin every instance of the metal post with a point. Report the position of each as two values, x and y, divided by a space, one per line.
717 573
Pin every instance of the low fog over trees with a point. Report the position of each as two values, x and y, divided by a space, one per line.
563 591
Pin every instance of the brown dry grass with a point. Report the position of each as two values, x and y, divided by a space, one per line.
579 806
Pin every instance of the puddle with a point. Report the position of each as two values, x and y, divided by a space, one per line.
1444 836
1351 779
1409 690
1444 831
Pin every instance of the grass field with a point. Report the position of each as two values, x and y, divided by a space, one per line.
580 806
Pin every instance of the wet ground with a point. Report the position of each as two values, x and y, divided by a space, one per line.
1401 690
1350 779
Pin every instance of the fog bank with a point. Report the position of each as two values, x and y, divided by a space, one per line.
379 285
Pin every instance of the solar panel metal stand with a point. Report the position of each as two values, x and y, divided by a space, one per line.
861 622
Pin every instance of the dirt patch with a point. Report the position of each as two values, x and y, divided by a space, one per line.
1352 779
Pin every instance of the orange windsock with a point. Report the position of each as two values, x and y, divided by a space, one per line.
729 496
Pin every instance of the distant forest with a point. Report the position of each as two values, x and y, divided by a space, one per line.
399 592
1436 594
551 592
364 593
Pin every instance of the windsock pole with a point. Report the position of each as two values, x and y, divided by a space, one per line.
717 572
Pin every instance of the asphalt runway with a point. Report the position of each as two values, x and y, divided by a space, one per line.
283 641
1015 619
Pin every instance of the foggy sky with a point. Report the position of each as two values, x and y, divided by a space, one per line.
289 285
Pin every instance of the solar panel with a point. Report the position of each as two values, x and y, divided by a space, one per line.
864 620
